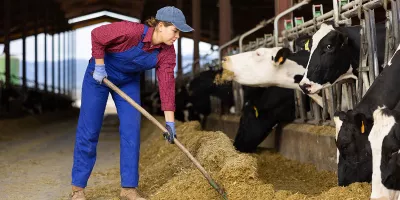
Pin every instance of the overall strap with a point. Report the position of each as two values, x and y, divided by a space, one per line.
140 45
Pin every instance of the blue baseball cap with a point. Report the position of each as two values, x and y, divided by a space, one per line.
174 16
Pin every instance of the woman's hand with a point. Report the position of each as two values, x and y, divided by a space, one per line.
170 125
99 70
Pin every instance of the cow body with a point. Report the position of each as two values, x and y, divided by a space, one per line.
385 145
353 127
335 54
264 109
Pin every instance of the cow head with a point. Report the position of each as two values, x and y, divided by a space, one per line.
265 67
329 59
354 151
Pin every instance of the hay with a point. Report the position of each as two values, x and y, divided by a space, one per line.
312 129
166 173
225 77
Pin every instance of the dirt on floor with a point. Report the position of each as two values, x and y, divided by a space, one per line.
37 166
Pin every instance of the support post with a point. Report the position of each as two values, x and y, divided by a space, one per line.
196 12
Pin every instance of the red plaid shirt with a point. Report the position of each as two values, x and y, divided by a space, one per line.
121 36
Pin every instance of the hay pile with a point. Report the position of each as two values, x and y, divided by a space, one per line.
166 173
225 77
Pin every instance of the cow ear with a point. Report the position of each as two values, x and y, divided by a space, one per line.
281 55
304 43
342 115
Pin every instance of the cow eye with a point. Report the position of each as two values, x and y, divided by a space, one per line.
328 47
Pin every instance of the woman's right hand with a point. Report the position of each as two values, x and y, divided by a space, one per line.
99 72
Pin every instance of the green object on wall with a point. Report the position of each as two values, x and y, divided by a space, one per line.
14 66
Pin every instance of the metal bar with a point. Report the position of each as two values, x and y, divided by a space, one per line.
317 112
45 51
367 6
309 25
370 40
360 72
59 62
69 64
36 54
296 105
336 12
388 36
226 45
64 60
354 94
259 26
24 86
73 64
53 67
303 114
325 108
332 102
196 17
339 88
395 21
323 17
276 20
7 41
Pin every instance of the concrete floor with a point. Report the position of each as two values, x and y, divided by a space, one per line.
36 163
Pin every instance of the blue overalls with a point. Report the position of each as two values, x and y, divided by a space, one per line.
123 69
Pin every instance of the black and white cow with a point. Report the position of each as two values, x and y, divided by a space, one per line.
354 126
265 67
202 87
264 109
335 54
385 145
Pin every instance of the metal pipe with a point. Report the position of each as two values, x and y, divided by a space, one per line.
261 25
291 34
224 46
335 12
276 31
328 15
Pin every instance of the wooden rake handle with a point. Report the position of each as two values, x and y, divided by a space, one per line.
176 141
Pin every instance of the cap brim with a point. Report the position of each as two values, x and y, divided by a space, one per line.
183 27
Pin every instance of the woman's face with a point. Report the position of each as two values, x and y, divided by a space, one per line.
169 34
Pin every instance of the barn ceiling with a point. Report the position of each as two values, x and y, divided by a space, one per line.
53 15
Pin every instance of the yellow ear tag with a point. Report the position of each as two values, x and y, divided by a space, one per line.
256 111
280 59
362 127
306 46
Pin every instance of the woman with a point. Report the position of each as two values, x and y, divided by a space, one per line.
120 51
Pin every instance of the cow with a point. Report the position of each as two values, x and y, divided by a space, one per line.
264 109
32 103
265 67
385 145
201 88
335 54
354 154
7 96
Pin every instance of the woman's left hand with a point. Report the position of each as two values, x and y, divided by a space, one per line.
172 133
